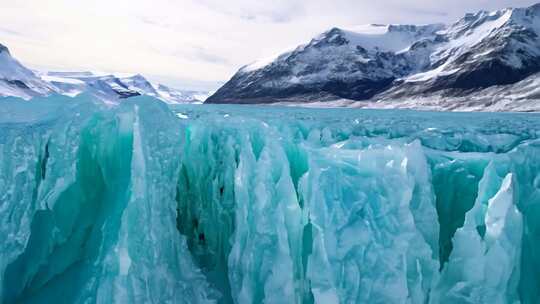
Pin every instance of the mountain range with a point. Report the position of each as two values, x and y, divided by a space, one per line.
17 80
484 61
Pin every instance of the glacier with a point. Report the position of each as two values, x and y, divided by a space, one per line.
148 203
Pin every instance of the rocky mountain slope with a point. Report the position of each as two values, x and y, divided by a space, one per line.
495 53
17 80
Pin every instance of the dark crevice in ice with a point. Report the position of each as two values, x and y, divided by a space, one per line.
298 166
307 249
44 161
257 144
207 223
40 172
455 183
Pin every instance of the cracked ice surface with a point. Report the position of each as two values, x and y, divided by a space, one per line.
201 204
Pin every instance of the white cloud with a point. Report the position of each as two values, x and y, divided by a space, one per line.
187 42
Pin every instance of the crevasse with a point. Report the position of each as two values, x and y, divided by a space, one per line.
231 204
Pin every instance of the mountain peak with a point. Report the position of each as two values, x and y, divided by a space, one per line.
3 49
379 37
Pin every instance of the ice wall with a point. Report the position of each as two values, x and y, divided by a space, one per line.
89 210
135 204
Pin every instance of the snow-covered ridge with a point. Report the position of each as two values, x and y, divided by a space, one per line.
382 37
19 81
376 62
386 38
111 87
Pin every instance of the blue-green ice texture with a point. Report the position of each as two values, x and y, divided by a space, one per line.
145 203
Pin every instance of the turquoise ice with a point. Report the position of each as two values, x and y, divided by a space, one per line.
144 203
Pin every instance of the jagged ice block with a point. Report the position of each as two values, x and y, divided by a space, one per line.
144 203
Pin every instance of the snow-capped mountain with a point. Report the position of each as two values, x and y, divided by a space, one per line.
380 65
17 80
112 88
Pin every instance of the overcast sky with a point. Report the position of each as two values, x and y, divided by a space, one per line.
194 44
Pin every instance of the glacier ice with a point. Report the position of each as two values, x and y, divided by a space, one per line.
144 203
